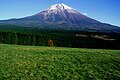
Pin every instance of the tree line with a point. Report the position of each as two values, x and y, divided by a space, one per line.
61 39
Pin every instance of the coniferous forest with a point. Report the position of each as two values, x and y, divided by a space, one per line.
10 34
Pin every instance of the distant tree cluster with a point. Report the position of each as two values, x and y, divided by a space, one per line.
56 39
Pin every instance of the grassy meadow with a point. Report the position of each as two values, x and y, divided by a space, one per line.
55 63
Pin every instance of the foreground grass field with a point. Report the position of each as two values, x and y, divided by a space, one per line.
51 63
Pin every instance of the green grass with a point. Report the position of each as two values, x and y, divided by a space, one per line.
54 63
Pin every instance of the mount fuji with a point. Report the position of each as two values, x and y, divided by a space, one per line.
61 16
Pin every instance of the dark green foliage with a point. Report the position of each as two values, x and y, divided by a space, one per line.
33 40
8 37
60 38
41 40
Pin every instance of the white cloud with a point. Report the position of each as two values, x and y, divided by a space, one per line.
85 13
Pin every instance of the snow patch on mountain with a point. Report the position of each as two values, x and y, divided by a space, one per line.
59 7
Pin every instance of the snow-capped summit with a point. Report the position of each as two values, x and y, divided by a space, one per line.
60 13
59 7
61 16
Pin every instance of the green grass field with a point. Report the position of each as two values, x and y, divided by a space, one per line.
54 63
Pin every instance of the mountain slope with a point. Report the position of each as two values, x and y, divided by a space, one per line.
61 16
